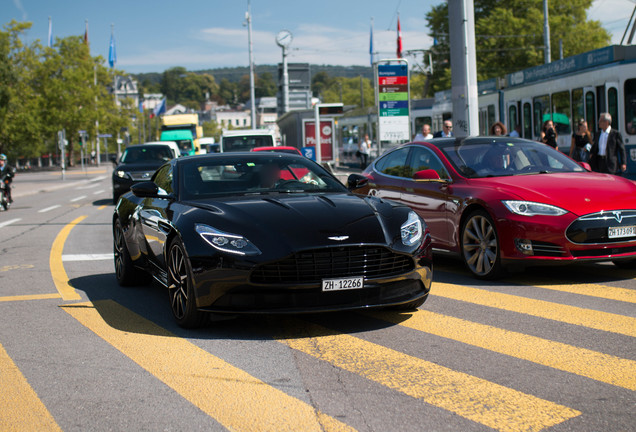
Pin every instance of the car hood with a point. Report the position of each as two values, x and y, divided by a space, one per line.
579 193
305 221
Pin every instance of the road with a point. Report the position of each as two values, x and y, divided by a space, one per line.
548 349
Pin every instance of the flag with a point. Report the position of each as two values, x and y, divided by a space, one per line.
141 106
160 109
86 34
50 33
399 39
371 43
112 53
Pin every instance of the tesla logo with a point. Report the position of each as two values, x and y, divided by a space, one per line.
618 216
146 175
338 238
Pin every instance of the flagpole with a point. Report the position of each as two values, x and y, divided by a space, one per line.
50 41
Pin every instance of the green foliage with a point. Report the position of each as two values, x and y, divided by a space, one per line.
345 90
509 35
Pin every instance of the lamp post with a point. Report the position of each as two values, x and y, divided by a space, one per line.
248 19
283 39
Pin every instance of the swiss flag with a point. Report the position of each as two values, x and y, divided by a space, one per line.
399 40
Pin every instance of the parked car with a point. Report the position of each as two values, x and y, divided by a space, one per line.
500 202
229 233
280 149
138 163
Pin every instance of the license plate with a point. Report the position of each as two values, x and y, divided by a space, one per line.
342 284
618 232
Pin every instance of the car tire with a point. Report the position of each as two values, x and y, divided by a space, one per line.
180 288
480 246
125 271
625 264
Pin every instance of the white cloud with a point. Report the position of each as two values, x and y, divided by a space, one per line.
18 5
613 15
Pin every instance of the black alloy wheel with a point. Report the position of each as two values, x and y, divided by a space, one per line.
180 290
480 246
125 271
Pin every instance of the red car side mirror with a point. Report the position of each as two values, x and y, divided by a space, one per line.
429 174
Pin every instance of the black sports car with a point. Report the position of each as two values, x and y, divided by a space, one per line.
267 233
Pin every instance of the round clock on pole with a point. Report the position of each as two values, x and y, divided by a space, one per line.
283 38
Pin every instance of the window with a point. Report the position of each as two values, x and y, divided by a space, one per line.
527 121
630 106
394 163
491 117
561 112
163 178
421 121
578 111
423 159
590 112
512 117
612 105
541 106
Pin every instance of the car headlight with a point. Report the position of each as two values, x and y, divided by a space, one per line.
226 242
411 230
121 174
529 208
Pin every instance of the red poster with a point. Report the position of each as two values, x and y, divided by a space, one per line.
326 138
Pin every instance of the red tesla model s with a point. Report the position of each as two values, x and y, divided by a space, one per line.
499 202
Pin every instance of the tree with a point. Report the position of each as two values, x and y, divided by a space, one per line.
345 90
509 35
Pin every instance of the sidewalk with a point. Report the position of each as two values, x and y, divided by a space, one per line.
33 182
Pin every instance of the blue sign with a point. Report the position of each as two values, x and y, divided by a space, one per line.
105 136
309 153
393 70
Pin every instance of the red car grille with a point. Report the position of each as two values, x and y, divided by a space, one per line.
314 265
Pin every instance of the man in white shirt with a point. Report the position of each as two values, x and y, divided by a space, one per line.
425 134
608 151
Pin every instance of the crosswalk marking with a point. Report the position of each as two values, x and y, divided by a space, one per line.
53 207
87 257
563 313
594 290
20 407
236 399
591 364
484 402
9 222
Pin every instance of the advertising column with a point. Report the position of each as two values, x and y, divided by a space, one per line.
393 101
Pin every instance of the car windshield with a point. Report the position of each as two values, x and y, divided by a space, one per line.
207 177
146 153
490 157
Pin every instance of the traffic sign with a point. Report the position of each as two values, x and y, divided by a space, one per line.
105 136
309 152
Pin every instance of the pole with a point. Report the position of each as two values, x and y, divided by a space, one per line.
464 71
546 33
285 82
317 133
248 15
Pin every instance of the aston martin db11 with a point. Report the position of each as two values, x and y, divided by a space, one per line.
267 232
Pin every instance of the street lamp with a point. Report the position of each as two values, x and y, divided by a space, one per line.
283 39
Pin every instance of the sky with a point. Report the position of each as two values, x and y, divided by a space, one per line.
205 34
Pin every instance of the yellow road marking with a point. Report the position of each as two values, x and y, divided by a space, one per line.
594 290
29 297
236 399
563 313
102 207
474 398
580 361
60 278
20 407
16 267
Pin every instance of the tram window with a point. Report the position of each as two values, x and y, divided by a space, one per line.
561 112
612 105
491 116
630 106
527 121
590 113
578 111
541 106
512 117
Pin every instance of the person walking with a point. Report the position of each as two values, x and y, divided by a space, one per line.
363 151
608 153
581 143
425 134
446 132
498 129
549 135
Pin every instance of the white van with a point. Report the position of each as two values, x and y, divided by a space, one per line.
247 139
172 144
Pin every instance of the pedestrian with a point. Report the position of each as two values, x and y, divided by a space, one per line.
498 129
581 143
608 151
447 130
425 134
516 132
549 134
363 151
6 176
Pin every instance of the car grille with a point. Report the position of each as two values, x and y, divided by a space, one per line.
314 265
547 249
593 228
141 176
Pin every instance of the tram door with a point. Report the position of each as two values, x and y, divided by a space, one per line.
513 108
591 116
526 119
611 96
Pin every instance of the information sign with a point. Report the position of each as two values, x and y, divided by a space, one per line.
393 101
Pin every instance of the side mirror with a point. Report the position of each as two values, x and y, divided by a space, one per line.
586 165
113 159
356 181
428 174
145 190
